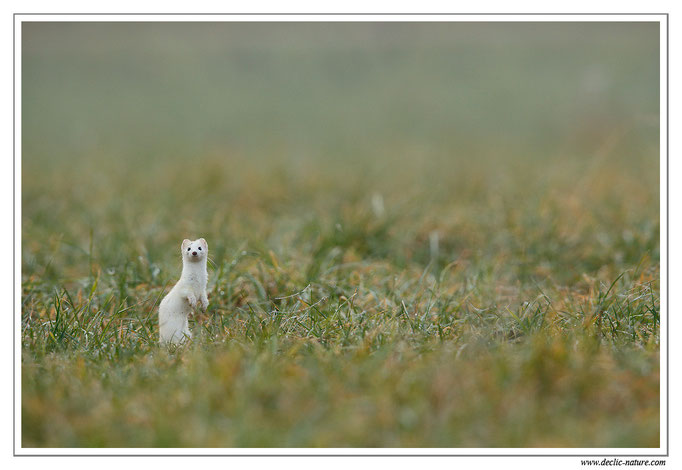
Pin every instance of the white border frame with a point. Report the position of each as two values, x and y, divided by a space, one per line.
596 453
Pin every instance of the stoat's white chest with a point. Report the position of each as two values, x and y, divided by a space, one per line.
194 277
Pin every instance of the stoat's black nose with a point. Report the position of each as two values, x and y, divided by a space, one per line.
194 253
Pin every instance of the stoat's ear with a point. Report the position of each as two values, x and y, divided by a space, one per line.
203 242
185 243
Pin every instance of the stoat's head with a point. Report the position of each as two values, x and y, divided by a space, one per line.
194 251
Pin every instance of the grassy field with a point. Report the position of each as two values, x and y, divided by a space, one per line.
422 235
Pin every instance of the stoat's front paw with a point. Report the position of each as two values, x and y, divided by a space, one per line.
192 300
204 303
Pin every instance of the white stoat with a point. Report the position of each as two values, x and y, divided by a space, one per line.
187 294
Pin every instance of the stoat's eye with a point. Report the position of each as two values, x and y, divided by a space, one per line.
189 249
199 248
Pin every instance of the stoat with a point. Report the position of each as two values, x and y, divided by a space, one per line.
187 294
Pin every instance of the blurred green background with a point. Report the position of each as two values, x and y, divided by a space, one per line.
418 113
332 89
389 207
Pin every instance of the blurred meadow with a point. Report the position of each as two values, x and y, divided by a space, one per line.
422 234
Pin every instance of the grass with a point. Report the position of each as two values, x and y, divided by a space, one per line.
389 268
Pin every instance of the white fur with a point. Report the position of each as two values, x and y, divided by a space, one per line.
187 294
